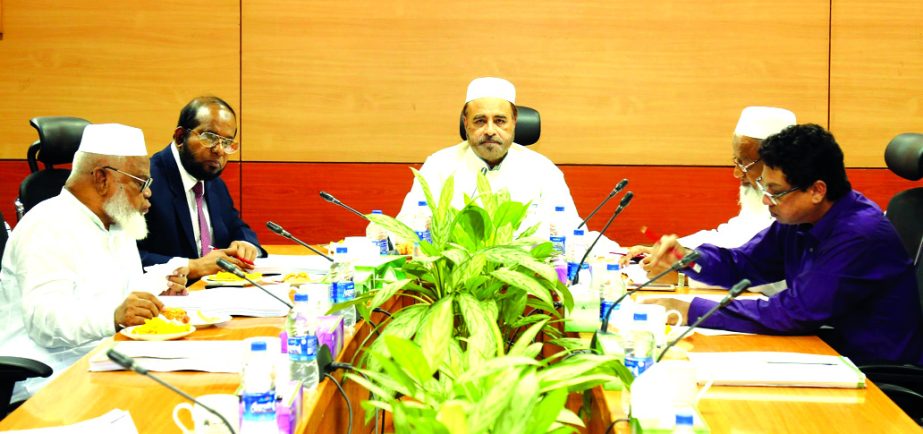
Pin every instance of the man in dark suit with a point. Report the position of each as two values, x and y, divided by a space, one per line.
192 214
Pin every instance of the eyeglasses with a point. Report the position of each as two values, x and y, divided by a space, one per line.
744 167
773 197
210 140
145 183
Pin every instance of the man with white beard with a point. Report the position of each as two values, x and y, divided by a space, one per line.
755 125
71 273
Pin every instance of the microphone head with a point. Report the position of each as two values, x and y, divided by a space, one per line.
620 186
328 197
273 226
739 287
627 198
226 265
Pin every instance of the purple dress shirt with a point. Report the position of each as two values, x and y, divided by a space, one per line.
849 271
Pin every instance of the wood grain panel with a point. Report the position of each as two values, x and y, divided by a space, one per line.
614 81
876 63
135 63
668 199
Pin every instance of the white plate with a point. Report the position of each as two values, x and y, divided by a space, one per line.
127 332
210 281
202 320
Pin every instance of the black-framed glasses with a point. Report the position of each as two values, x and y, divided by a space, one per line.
773 197
145 183
744 167
210 140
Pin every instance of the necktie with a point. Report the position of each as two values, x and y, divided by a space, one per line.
204 234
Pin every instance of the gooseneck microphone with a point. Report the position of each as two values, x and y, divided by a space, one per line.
329 198
226 265
684 262
618 187
625 201
130 364
735 290
285 234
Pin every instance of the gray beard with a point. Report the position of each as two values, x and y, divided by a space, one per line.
751 201
121 212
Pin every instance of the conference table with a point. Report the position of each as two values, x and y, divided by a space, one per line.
78 394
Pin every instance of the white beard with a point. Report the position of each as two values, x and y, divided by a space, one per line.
751 201
131 221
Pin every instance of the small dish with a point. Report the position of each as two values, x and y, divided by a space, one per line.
127 332
210 280
202 320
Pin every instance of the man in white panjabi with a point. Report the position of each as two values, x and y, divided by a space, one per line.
489 116
71 273
755 125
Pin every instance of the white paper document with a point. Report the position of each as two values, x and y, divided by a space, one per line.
770 368
167 356
237 301
114 422
281 264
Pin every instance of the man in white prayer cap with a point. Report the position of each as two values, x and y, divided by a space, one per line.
755 125
489 117
71 273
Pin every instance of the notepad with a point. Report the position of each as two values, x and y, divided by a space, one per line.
170 356
238 301
281 264
769 368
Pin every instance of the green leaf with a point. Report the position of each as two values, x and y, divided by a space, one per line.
387 291
526 339
547 411
483 342
568 417
424 185
435 333
526 283
516 418
410 357
453 414
394 226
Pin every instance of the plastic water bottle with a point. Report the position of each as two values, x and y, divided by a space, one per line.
685 422
301 326
377 235
611 287
576 248
282 370
342 288
639 345
420 224
556 231
259 397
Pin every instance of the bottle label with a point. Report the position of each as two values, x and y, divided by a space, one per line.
382 246
604 306
424 235
342 291
259 406
558 243
638 364
571 270
302 348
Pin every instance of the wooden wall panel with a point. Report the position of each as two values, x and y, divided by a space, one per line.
614 80
668 199
876 90
135 63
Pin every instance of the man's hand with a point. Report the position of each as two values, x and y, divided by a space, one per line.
208 264
633 252
671 304
136 308
244 251
176 282
663 254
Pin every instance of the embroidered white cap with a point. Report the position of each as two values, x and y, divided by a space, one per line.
491 87
761 122
113 139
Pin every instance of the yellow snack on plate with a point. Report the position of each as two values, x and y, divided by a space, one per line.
159 326
297 278
224 276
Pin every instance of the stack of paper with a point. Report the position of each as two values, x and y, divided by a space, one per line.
281 264
767 368
114 422
237 301
166 356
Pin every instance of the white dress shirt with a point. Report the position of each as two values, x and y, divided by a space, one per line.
526 174
63 276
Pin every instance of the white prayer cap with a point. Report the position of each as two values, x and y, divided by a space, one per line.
491 87
762 122
113 139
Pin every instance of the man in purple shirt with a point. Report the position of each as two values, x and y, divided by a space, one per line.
842 260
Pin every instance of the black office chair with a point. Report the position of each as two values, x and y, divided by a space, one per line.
904 156
528 126
58 140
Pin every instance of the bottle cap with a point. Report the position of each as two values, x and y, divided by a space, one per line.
376 211
559 208
640 316
578 232
421 203
301 296
258 346
342 250
612 267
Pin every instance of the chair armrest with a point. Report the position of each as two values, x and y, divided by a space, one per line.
19 368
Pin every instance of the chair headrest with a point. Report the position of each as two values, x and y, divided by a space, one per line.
528 126
904 156
59 137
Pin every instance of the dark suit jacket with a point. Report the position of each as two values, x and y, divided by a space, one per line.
169 223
